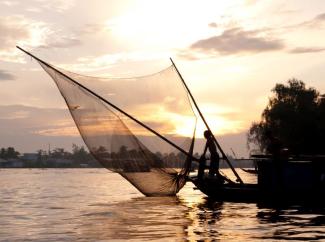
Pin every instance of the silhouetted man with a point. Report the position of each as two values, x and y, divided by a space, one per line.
214 156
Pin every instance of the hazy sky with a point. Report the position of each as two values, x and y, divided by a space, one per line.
231 53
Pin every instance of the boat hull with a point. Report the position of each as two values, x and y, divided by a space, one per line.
253 193
227 192
290 181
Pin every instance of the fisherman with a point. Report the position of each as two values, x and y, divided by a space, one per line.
214 158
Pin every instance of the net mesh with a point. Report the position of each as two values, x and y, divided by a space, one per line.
122 145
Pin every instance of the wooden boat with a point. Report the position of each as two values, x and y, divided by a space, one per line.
227 192
294 181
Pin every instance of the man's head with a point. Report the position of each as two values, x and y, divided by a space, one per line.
207 134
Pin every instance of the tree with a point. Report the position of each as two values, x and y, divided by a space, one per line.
296 116
60 153
41 155
8 153
79 154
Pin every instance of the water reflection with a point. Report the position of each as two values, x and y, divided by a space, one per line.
204 217
93 205
218 220
140 218
294 223
146 218
242 222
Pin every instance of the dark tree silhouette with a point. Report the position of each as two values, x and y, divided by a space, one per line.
60 153
8 153
80 154
296 116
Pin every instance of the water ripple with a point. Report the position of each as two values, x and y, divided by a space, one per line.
96 205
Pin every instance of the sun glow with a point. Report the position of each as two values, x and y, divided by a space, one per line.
164 24
219 125
222 120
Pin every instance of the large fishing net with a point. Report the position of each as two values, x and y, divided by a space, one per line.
121 144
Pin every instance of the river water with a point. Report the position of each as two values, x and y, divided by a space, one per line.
97 205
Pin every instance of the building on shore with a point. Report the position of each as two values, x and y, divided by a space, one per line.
11 163
29 156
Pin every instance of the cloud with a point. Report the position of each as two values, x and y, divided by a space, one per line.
164 127
188 55
212 25
42 121
18 30
65 38
237 41
93 28
317 21
5 76
59 131
53 5
8 3
320 17
304 50
12 29
39 6
104 62
60 41
57 5
31 128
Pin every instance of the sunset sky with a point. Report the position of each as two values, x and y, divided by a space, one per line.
231 54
